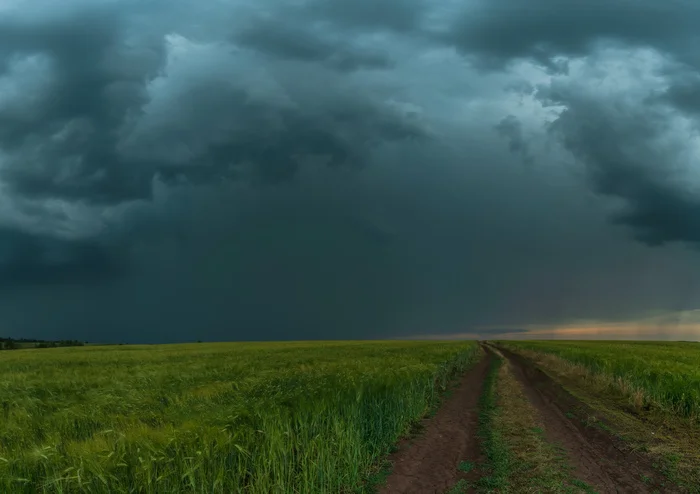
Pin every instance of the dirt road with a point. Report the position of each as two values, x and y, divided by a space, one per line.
596 456
428 463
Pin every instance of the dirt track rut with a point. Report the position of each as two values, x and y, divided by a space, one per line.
597 457
427 464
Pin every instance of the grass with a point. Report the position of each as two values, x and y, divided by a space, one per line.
466 466
210 418
498 462
620 405
461 487
662 375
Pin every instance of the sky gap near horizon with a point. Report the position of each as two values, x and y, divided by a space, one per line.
174 171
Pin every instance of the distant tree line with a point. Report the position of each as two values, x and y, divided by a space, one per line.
15 343
7 344
56 344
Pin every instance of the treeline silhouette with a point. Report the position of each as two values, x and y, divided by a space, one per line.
16 343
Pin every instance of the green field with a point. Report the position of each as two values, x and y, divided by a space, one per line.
666 374
228 417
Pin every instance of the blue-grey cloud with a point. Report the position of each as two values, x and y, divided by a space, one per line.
316 169
637 148
290 42
511 129
81 134
494 32
27 260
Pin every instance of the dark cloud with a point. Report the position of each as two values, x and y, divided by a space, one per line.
74 139
228 128
367 15
498 31
510 128
28 260
172 171
685 95
287 42
634 153
62 141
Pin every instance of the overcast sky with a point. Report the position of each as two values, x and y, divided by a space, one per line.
260 169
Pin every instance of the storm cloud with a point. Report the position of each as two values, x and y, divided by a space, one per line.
110 108
546 31
511 128
173 171
27 259
285 41
635 149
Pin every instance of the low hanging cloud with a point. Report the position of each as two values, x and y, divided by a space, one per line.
639 143
495 32
271 120
287 41
684 94
635 146
178 170
107 112
511 129
94 107
27 259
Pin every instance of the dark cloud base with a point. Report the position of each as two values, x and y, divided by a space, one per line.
317 170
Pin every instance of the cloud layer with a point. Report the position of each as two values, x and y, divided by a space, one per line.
178 170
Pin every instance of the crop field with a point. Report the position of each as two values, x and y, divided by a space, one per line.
665 375
341 417
227 417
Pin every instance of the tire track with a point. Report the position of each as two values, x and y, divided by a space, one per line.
428 463
596 456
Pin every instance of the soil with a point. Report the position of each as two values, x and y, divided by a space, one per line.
428 463
597 457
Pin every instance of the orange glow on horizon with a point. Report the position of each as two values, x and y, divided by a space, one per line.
680 325
610 331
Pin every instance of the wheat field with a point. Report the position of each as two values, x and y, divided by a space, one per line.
220 417
665 374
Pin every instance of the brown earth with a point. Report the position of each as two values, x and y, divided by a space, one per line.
597 457
428 463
